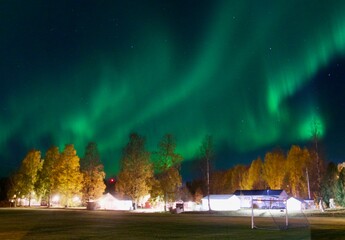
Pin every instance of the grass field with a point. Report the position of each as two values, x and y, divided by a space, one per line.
27 223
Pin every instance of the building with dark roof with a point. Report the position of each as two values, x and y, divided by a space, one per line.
267 198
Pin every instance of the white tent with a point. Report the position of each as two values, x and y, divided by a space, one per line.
227 202
108 201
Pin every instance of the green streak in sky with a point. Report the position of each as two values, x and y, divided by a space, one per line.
236 73
306 128
286 79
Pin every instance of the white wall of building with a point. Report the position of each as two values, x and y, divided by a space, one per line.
221 203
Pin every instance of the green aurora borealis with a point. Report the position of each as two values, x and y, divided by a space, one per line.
250 73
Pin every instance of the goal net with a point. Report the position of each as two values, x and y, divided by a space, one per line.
273 214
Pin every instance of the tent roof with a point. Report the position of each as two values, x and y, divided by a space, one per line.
219 196
116 197
267 192
296 199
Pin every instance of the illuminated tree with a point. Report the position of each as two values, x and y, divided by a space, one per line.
231 185
237 177
168 165
340 189
29 169
27 176
136 172
47 180
245 181
69 177
297 161
16 187
93 174
274 169
255 172
170 180
156 192
219 182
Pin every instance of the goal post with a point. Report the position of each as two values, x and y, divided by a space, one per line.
269 214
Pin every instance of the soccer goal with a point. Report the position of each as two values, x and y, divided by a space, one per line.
273 214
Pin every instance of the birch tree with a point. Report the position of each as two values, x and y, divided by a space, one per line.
93 174
297 161
274 169
255 175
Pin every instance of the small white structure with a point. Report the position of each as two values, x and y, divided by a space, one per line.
331 203
295 204
108 201
227 202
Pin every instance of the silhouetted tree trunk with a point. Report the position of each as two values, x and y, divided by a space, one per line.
207 155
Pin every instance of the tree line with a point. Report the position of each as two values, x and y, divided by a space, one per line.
301 172
62 173
142 173
279 170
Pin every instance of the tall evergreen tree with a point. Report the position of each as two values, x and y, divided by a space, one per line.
136 172
329 182
16 187
207 157
47 177
340 188
93 173
317 165
169 165
69 177
28 174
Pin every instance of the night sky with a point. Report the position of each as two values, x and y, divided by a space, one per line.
253 74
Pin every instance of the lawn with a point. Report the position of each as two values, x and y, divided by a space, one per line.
27 223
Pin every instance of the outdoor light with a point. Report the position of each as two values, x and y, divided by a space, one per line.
101 203
55 198
76 199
